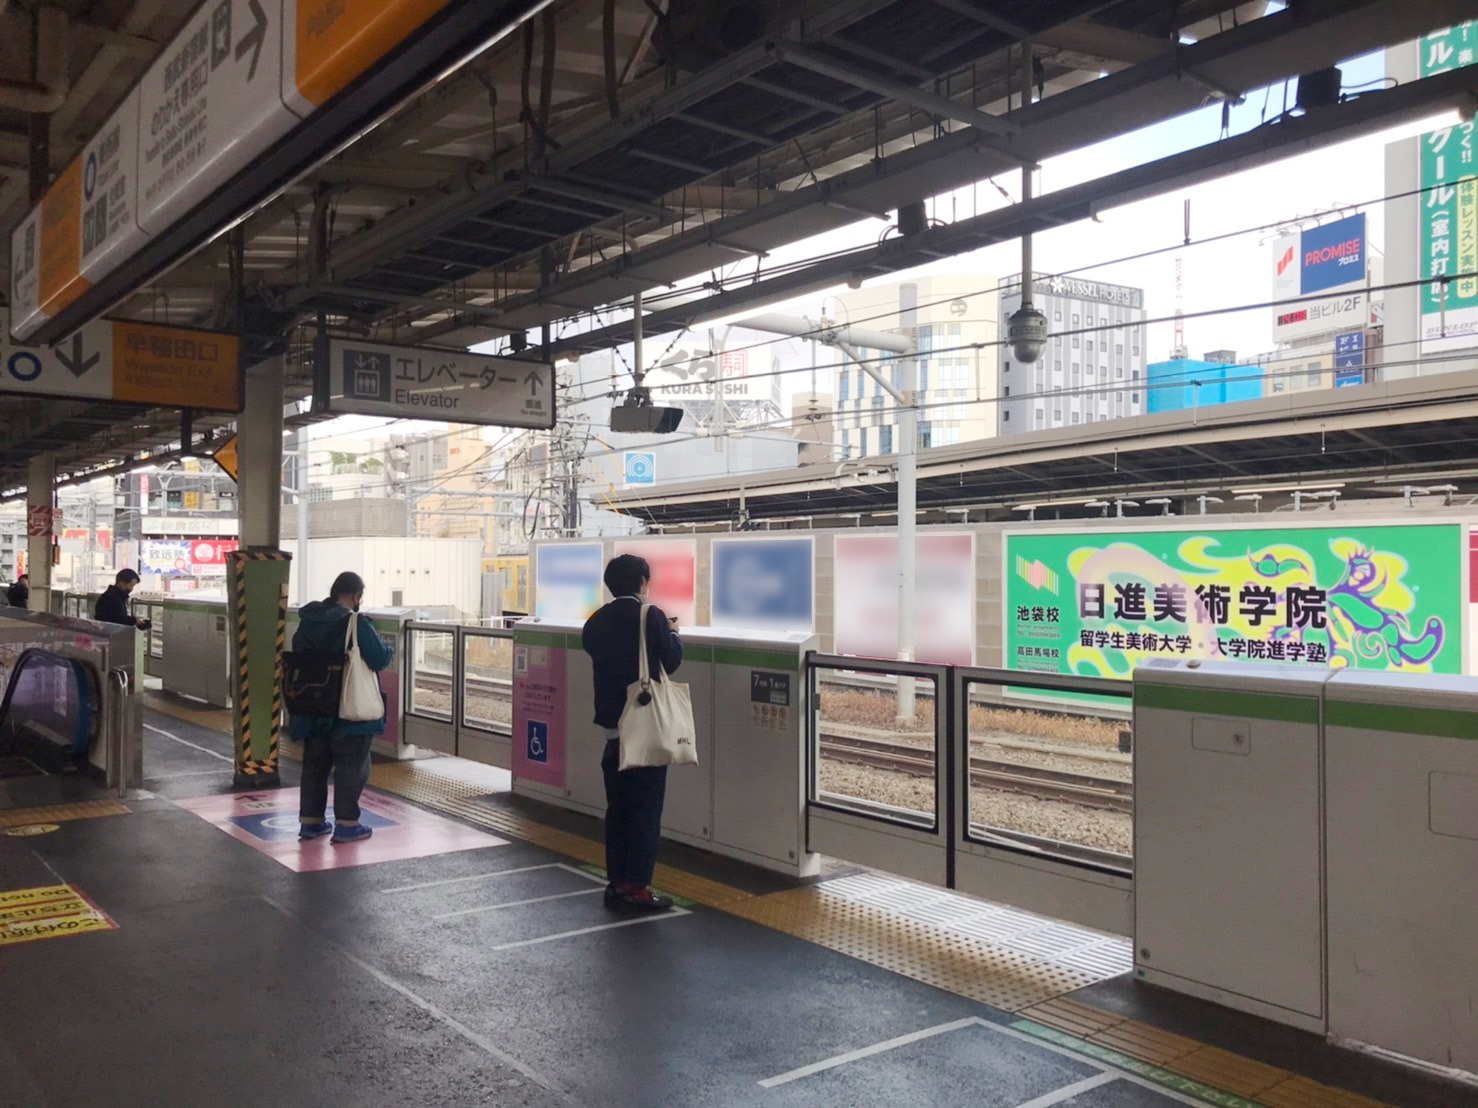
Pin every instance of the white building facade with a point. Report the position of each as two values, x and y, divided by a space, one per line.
1093 367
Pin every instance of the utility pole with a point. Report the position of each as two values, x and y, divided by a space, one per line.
850 340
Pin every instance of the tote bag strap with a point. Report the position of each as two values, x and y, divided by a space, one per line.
644 672
351 638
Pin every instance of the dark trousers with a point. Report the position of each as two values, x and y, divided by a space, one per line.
347 758
634 800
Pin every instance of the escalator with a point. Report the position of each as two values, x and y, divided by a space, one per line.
51 717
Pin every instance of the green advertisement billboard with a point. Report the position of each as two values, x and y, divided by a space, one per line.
1449 207
1369 597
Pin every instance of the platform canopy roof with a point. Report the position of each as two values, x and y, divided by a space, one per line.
606 147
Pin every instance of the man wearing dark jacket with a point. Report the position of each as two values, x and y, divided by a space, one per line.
19 594
112 605
330 744
634 797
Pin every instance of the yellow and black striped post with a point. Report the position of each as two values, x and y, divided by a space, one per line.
256 579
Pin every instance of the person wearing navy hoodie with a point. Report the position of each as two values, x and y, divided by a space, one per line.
634 797
332 745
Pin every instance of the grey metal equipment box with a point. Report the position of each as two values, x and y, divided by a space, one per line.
1227 836
1401 758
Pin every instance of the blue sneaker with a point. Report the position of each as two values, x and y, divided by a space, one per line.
352 834
314 830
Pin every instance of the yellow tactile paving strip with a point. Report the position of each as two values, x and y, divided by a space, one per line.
217 719
957 963
61 813
1221 1069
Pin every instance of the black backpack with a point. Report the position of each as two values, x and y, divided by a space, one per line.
312 682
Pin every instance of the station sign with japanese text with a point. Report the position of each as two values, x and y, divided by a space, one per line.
237 77
1360 597
416 382
130 363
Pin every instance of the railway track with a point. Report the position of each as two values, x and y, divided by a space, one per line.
1043 784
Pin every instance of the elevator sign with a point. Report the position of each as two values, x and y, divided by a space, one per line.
368 378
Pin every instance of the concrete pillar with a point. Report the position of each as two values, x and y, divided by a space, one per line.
257 577
40 493
259 447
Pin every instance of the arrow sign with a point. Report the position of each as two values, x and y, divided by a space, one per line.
77 363
251 42
535 381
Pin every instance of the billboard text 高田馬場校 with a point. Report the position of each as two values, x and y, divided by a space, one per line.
1364 597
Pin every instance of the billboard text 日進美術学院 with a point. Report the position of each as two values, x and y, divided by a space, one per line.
1332 255
567 580
1359 597
763 584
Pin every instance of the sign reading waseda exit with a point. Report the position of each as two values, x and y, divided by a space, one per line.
1362 597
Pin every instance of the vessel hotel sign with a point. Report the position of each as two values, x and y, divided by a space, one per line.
417 382
1333 255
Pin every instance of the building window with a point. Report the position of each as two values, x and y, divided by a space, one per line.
885 439
846 444
1041 416
863 440
1078 341
1075 319
1057 365
1056 415
1134 398
924 375
1090 346
1057 315
955 329
844 388
1075 418
1007 368
1119 374
1316 375
1006 416
1008 390
877 402
1278 384
926 435
1119 349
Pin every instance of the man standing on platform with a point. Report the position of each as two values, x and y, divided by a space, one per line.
112 605
634 797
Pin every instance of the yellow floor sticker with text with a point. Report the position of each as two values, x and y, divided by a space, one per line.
51 912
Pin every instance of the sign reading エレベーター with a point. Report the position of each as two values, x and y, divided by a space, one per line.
369 378
1361 597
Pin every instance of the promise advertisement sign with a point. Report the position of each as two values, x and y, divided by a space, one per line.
1364 597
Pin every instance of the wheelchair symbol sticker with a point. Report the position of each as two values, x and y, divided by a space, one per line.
538 749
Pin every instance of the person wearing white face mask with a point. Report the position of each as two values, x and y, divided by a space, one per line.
634 797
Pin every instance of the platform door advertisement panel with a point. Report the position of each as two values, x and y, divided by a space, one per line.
567 580
1385 598
539 713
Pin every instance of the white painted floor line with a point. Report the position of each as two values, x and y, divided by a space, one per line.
1057 1096
516 903
578 872
469 877
656 917
456 1025
186 773
192 746
867 1051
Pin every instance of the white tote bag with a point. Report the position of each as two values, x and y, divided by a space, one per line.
359 700
657 723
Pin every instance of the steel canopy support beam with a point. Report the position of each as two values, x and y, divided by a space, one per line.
896 90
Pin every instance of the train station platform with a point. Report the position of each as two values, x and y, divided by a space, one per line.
187 946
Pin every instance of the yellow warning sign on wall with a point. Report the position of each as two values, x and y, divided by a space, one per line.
49 912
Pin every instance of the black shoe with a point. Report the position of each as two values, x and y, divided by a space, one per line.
612 897
641 902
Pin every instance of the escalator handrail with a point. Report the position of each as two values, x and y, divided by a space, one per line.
86 682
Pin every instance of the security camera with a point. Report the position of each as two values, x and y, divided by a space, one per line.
636 415
1026 331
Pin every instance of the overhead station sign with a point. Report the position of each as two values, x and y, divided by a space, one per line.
238 76
369 378
130 363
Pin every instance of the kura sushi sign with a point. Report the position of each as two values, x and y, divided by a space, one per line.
1367 597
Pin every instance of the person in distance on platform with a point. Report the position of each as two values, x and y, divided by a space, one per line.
634 797
112 605
332 745
19 594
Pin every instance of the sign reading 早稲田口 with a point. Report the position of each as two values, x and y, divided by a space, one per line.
1366 597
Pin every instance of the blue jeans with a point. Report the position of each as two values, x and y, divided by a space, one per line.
347 757
634 799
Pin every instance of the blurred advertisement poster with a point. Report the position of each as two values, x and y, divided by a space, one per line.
866 592
764 584
674 565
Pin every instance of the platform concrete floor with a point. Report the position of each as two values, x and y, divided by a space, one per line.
488 976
